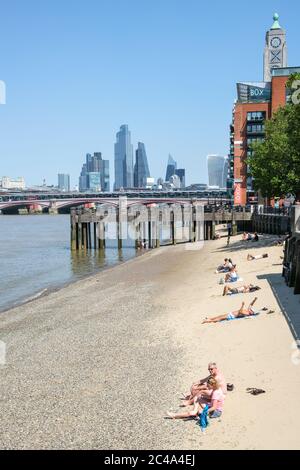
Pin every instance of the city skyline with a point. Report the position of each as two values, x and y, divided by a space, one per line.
180 103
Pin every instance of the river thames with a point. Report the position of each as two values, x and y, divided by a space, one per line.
35 255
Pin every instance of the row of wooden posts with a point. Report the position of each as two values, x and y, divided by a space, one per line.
89 226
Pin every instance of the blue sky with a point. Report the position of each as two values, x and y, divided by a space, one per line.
75 71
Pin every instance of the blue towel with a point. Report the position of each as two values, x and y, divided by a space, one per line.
203 419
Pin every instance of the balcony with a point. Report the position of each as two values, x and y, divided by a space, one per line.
256 117
256 130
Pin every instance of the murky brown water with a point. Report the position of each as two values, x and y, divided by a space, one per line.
35 255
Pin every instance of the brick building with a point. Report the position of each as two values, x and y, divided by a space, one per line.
256 102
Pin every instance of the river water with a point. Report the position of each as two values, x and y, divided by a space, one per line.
35 255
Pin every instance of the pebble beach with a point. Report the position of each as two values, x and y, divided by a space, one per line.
98 363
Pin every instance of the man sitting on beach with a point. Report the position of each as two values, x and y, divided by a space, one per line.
245 289
215 403
241 313
251 257
200 387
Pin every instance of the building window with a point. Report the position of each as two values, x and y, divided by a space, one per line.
256 116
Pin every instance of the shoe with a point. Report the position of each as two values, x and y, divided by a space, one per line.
230 387
255 391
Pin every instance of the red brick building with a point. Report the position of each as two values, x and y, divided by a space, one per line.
256 102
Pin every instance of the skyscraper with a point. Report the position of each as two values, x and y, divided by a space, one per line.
275 55
94 175
123 159
181 173
141 168
171 167
217 170
64 182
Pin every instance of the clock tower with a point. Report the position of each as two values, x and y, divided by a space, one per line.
275 55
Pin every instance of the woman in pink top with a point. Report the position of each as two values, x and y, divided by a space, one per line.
215 404
217 400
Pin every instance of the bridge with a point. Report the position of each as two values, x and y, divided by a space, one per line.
64 202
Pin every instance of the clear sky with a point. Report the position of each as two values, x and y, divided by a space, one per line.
76 70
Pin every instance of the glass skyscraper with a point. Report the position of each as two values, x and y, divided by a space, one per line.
141 168
123 159
94 175
217 170
171 167
64 182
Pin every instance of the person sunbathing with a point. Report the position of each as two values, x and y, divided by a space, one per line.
200 387
225 267
251 257
246 237
245 289
215 403
242 312
232 276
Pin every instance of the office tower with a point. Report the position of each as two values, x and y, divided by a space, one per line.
275 55
141 168
94 181
181 173
105 183
216 169
83 179
123 159
64 182
94 175
171 167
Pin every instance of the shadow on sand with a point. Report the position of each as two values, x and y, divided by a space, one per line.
288 302
264 241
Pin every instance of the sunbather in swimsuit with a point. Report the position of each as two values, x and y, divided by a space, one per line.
242 312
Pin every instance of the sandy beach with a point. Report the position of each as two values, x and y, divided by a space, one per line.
98 363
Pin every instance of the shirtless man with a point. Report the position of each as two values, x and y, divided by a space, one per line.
200 389
242 312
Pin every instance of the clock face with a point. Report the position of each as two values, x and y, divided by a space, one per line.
275 42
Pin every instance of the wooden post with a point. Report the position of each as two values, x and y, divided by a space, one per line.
150 245
137 236
297 268
101 235
89 237
95 236
157 232
191 225
84 235
80 232
173 227
119 229
73 231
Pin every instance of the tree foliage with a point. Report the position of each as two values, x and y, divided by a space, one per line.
275 163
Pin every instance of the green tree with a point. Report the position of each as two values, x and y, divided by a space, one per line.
275 163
